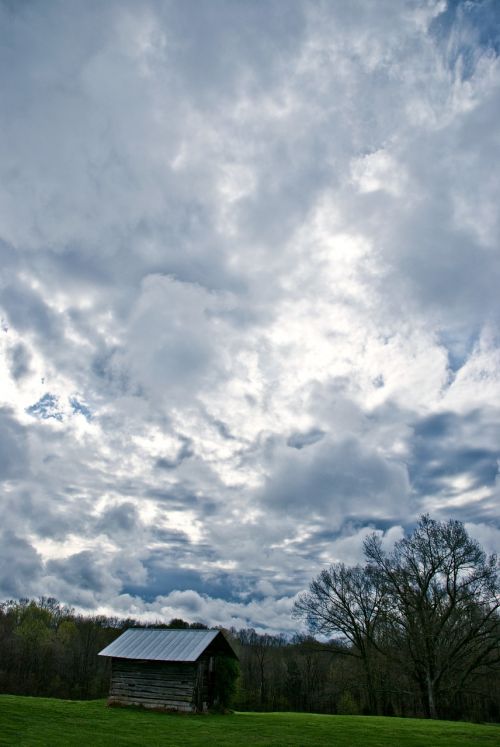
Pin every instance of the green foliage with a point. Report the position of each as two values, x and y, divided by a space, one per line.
46 649
227 671
59 723
347 705
67 632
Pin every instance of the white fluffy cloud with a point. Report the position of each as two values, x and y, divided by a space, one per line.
249 293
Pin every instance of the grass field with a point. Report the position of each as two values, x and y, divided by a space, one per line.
44 721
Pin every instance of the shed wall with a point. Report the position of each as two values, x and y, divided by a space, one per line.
170 686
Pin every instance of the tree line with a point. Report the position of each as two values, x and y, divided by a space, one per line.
413 632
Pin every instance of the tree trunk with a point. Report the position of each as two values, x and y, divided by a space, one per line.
431 699
372 695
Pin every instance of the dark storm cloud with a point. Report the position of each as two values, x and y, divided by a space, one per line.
169 537
439 425
13 446
163 580
447 445
299 440
27 311
81 570
20 566
119 520
30 509
481 465
336 480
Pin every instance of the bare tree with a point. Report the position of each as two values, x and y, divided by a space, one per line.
441 598
346 602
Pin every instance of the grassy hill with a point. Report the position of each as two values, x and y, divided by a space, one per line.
44 721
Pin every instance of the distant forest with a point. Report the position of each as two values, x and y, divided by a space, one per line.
46 649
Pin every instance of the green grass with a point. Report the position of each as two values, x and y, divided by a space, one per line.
45 721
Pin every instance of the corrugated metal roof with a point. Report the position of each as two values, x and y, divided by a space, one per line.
161 645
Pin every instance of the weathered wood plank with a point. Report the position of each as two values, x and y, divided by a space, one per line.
182 674
152 694
157 685
152 691
161 682
154 680
125 664
159 690
167 686
148 683
169 706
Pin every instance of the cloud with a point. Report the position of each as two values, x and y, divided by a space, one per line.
336 481
121 519
301 440
249 299
170 347
270 615
454 461
13 446
21 566
27 311
488 535
19 361
185 451
79 570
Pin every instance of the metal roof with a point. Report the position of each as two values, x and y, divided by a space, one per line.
161 645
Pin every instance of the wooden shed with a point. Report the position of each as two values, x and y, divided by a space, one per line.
166 669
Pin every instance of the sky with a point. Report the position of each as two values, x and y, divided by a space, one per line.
249 294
